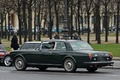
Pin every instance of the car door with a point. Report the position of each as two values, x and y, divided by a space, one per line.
39 57
45 52
57 54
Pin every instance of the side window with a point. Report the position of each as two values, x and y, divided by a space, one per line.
46 46
60 46
30 46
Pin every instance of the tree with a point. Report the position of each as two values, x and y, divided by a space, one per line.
105 3
24 5
17 4
57 7
97 20
1 19
89 9
118 20
78 14
7 8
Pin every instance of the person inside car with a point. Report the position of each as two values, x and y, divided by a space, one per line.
53 45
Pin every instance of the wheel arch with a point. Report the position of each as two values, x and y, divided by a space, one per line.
6 55
19 56
67 58
4 60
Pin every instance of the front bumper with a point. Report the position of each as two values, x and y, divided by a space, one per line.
1 60
100 63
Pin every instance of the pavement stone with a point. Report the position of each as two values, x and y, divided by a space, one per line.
116 65
116 58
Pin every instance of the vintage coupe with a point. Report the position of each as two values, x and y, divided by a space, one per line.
67 54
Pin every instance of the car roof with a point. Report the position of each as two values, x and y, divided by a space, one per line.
63 40
33 42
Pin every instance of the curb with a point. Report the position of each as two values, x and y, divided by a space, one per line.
111 67
116 58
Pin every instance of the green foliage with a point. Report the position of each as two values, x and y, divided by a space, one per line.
114 48
8 48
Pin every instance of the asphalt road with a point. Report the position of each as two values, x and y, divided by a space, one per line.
10 73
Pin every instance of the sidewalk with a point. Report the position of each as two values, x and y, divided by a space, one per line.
116 58
116 65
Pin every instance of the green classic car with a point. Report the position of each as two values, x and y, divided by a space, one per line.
67 54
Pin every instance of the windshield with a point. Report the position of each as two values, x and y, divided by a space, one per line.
80 45
2 47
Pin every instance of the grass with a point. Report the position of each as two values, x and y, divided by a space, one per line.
114 48
8 48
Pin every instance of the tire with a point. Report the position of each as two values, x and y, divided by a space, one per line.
20 64
7 60
42 68
69 65
92 69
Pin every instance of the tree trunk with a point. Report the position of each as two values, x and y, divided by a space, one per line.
71 23
98 23
106 24
117 32
35 20
56 14
88 37
78 13
2 35
24 20
19 22
30 20
50 21
9 26
5 31
39 23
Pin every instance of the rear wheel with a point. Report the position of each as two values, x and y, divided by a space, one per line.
92 69
7 60
69 65
20 64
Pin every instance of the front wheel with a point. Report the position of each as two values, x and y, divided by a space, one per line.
7 61
20 64
69 65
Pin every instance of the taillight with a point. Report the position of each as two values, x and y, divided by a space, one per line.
2 53
111 55
90 56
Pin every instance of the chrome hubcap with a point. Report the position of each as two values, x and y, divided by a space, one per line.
69 65
19 64
7 61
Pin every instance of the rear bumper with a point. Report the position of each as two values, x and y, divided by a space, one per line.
100 63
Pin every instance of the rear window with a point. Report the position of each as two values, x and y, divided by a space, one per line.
30 46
